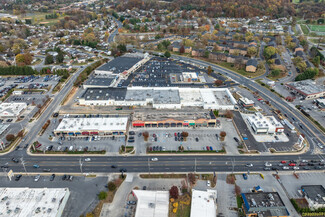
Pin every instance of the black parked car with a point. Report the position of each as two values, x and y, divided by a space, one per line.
18 177
64 177
52 177
15 160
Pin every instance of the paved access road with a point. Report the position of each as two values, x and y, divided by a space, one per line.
53 106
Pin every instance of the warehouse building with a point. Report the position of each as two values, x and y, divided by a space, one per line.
12 110
128 62
308 89
315 195
264 204
36 202
111 73
92 126
204 203
264 124
151 203
160 97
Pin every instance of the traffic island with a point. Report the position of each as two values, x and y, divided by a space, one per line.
127 150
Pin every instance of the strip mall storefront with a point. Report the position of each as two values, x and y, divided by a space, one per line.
176 123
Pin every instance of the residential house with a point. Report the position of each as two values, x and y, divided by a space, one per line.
251 65
187 49
197 53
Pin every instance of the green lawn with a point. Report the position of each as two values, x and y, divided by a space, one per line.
39 18
304 29
317 28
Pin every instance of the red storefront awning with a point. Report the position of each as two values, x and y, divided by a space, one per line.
94 133
138 124
185 124
85 133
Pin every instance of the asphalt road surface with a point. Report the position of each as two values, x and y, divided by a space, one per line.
145 164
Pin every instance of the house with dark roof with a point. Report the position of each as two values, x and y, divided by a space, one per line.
251 65
218 56
299 53
315 195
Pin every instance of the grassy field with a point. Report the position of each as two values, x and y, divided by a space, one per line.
317 28
304 29
39 18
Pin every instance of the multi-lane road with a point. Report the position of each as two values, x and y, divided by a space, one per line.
173 163
143 164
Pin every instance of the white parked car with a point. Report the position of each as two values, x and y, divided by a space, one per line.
296 168
285 168
154 159
249 165
87 159
208 183
267 164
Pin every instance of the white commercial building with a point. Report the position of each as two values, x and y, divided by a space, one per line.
11 110
160 97
264 124
204 203
36 202
92 126
151 203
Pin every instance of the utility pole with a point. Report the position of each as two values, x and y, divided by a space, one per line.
233 165
23 163
80 162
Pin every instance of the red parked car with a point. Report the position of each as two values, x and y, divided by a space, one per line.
208 148
283 162
38 145
292 164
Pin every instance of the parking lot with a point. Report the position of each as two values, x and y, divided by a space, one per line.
83 191
156 73
252 144
268 184
198 139
292 184
91 143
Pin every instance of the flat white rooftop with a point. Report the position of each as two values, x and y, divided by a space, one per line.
11 109
27 202
92 124
203 203
152 203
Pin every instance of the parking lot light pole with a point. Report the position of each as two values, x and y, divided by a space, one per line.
149 166
80 162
